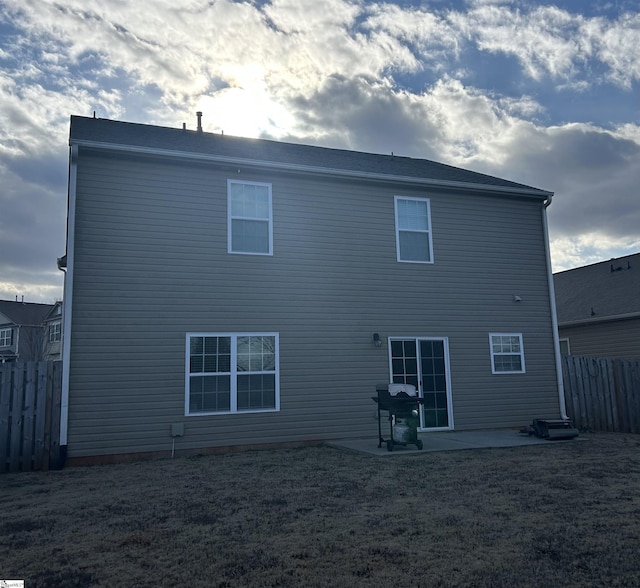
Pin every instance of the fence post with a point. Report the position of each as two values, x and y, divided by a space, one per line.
54 421
28 417
41 399
6 383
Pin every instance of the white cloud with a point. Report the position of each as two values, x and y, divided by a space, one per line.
548 41
619 47
588 248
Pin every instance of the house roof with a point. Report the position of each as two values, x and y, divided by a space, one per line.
603 291
24 313
119 135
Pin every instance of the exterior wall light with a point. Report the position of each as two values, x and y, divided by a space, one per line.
376 340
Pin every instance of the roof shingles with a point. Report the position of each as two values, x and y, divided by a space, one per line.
108 132
599 291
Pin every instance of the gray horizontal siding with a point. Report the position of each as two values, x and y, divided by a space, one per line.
615 339
151 264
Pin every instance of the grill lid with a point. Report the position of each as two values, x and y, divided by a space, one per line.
408 389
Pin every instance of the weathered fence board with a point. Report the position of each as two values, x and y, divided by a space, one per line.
30 396
602 394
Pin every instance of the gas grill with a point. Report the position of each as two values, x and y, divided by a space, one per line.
401 403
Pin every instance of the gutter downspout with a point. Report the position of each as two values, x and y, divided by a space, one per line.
554 315
68 296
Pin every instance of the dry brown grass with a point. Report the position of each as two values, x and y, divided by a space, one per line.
564 514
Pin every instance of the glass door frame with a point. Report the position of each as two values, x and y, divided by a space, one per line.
445 342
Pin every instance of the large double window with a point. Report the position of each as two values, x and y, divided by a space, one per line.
507 353
232 373
250 228
413 230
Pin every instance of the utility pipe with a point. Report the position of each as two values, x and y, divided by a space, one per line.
554 316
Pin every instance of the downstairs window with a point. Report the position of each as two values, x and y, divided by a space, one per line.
507 353
232 373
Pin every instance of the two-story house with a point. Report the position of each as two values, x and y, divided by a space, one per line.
599 308
22 330
224 291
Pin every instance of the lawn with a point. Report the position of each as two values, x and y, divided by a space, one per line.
562 514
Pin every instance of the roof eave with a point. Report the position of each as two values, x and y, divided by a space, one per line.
600 319
299 168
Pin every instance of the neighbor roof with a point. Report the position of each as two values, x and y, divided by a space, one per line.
25 313
602 291
147 138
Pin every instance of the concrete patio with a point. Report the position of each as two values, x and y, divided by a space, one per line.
446 441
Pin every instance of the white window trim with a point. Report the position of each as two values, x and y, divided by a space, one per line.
55 332
493 355
6 335
430 231
233 404
565 340
230 218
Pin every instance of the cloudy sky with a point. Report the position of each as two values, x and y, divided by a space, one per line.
543 93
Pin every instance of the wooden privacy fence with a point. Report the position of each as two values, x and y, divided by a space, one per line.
602 394
30 396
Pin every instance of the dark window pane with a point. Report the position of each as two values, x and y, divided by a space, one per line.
255 398
243 384
195 364
196 344
411 366
397 365
210 363
426 348
224 363
211 345
429 401
224 345
195 402
428 384
396 349
442 418
195 385
410 349
269 398
414 246
209 394
430 419
428 367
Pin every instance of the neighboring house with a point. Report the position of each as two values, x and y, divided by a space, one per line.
22 330
53 333
599 308
231 291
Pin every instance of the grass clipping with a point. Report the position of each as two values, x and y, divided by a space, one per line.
561 514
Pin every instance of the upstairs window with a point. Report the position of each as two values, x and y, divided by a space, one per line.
250 228
507 353
6 337
232 373
413 230
55 332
